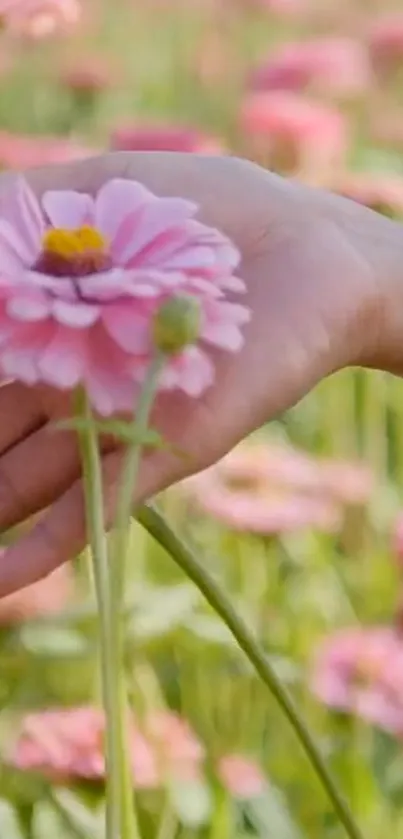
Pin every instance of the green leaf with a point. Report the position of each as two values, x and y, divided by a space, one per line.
57 642
271 817
191 801
9 824
49 824
83 822
164 610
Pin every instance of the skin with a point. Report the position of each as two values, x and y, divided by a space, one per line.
325 282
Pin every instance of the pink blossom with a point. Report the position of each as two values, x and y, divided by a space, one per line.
161 137
19 151
266 491
397 541
241 776
335 66
83 278
67 745
292 133
385 38
360 671
39 18
46 597
89 75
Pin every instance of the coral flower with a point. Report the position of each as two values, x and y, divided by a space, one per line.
39 18
132 137
360 671
67 745
83 278
335 66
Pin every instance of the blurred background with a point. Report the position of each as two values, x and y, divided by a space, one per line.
302 523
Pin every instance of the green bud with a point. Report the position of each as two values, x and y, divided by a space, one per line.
177 323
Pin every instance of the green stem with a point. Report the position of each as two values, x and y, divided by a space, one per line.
155 524
120 543
92 478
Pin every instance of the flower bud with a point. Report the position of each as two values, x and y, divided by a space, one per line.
177 323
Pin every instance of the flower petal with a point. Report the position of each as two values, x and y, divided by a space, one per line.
67 208
62 362
117 201
28 306
78 315
128 328
157 219
192 372
18 249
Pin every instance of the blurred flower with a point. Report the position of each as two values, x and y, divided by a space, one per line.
88 76
21 152
45 597
335 66
397 542
265 490
360 671
83 278
385 39
39 18
132 137
241 776
294 134
67 745
382 193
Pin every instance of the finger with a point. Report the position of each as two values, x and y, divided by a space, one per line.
35 472
61 534
20 413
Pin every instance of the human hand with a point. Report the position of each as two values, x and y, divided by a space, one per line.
318 269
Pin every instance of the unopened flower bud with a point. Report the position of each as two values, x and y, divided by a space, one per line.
177 323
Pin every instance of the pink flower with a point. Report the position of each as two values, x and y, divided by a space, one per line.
380 192
335 66
132 137
39 18
20 152
292 133
385 37
260 489
88 76
360 671
82 281
46 597
67 745
241 776
397 542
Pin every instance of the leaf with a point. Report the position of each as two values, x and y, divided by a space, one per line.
191 801
271 817
49 824
9 824
82 821
57 642
164 610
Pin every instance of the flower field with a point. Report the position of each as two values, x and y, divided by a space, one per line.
302 525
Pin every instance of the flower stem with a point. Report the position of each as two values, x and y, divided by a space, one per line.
157 527
92 479
119 548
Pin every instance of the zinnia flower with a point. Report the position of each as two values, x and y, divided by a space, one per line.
294 134
39 18
360 671
162 137
68 745
335 66
21 152
258 489
83 279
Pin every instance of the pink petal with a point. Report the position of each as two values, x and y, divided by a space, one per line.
158 217
67 208
18 247
110 393
221 324
129 329
28 307
117 201
33 223
105 286
192 372
78 315
58 286
62 362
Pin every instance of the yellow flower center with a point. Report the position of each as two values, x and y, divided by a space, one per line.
70 244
